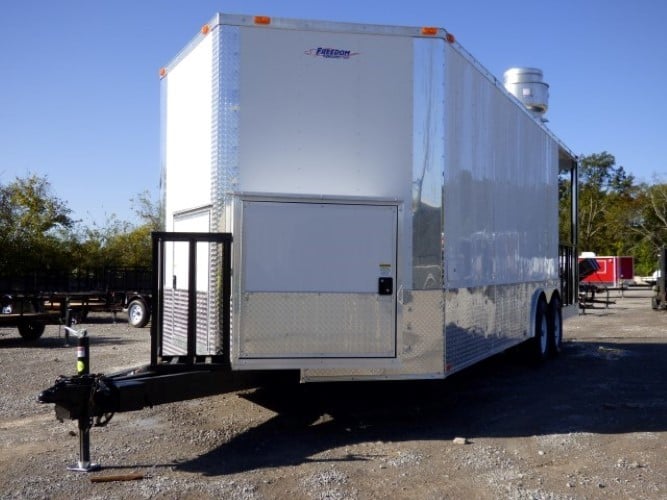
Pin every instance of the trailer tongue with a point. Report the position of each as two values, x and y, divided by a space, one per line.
92 399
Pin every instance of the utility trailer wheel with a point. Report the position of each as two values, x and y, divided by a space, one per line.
555 326
137 313
538 346
31 329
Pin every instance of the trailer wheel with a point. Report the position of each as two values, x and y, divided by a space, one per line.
31 330
555 326
137 313
539 344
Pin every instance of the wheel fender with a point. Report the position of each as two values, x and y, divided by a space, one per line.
131 298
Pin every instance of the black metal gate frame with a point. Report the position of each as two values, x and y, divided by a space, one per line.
160 239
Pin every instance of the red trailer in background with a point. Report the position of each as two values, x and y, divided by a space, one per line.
612 272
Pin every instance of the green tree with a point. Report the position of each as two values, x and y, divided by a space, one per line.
35 227
616 216
149 211
607 193
119 243
648 222
137 242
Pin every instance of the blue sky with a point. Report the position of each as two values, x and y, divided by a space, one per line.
80 94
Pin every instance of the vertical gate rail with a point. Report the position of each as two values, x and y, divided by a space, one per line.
569 283
160 239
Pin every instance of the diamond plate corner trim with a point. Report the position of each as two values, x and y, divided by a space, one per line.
226 108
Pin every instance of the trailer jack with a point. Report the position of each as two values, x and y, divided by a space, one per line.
92 400
81 398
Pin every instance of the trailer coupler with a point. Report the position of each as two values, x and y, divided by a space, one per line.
81 396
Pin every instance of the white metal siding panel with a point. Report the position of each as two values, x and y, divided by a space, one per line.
187 131
428 163
501 216
325 126
500 186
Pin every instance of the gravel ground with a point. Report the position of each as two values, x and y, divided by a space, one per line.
590 424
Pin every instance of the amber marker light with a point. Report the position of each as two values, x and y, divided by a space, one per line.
205 29
450 38
262 20
429 31
163 72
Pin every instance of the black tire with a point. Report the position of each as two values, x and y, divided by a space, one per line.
555 326
539 344
31 329
137 313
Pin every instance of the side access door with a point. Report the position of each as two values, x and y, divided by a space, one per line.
317 283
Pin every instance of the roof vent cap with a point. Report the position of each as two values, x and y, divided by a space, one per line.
527 85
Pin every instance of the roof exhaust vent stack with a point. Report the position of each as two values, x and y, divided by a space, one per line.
527 85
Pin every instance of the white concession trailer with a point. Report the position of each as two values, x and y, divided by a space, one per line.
342 202
393 209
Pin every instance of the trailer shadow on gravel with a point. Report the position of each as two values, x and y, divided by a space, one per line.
594 387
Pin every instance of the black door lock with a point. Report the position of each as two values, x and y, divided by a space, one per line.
385 286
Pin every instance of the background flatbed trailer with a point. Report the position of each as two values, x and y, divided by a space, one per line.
29 317
31 301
